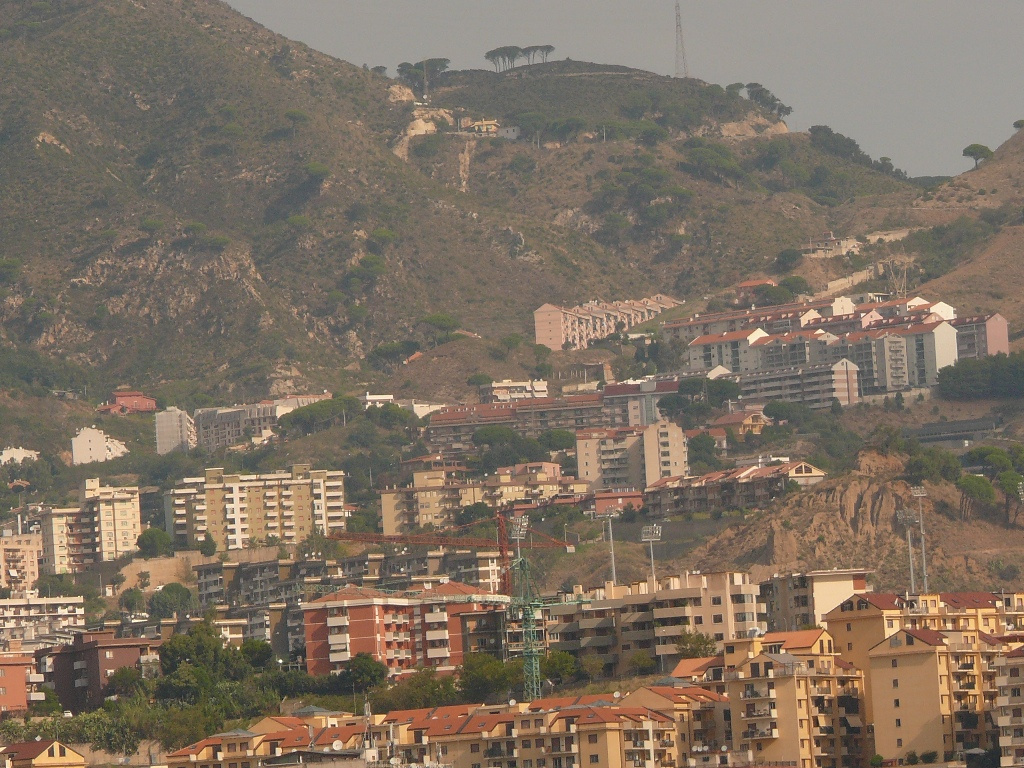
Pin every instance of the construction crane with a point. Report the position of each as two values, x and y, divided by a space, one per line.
450 538
525 608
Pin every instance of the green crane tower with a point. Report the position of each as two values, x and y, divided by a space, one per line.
526 607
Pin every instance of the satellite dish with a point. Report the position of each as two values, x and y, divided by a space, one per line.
617 694
337 746
511 702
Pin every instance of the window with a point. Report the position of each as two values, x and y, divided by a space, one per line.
899 742
595 759
717 618
716 600
895 683
849 627
894 664
849 646
719 637
730 649
474 747
592 738
526 743
698 619
896 703
108 655
899 723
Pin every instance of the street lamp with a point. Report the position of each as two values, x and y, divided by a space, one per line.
919 492
651 534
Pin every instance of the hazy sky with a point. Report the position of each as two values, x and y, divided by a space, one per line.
915 80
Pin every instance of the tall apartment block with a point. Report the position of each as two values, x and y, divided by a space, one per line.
106 525
238 509
175 431
801 600
631 457
431 627
615 622
20 554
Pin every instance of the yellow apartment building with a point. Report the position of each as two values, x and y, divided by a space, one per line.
703 729
794 701
1010 708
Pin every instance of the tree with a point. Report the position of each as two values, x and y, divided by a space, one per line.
257 653
642 663
1011 483
117 580
695 645
545 51
557 440
977 152
559 666
208 547
362 673
132 601
788 259
143 580
155 542
481 677
441 325
126 681
173 599
592 666
296 117
974 489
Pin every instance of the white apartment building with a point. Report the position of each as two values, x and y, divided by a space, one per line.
106 525
630 457
175 431
506 390
91 444
27 616
238 509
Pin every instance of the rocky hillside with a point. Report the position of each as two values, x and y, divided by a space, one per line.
851 522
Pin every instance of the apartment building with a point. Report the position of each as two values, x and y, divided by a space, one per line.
407 630
630 457
437 495
222 427
816 386
79 672
92 445
175 431
106 525
935 691
981 335
560 328
615 622
794 701
238 509
19 683
703 722
635 403
26 616
451 429
800 600
740 488
1009 712
20 554
507 391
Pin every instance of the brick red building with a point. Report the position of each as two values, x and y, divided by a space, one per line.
430 627
130 401
18 683
79 672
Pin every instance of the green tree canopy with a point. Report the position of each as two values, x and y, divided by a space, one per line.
173 599
977 153
155 542
695 645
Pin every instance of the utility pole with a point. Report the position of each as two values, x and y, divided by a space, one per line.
611 542
651 534
906 518
920 493
682 69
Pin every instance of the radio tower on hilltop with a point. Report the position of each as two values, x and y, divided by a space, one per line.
682 69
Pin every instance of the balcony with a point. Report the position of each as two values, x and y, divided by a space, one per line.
339 656
436 617
438 653
758 714
769 733
82 682
337 621
437 634
1005 721
756 693
33 677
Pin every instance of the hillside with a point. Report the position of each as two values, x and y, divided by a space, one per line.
199 206
851 522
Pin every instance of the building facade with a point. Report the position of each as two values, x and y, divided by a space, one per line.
175 431
238 509
631 457
801 600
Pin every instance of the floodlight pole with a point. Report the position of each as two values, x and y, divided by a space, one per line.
920 492
651 534
907 519
611 543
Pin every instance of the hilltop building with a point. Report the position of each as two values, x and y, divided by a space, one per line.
559 328
124 402
223 427
238 509
12 455
92 445
175 431
506 390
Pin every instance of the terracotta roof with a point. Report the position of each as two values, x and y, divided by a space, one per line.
715 338
968 599
294 738
27 750
693 667
927 636
560 702
884 600
737 418
803 638
688 694
195 749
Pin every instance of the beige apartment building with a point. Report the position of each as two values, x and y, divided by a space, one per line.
437 495
238 509
801 600
794 701
20 554
631 457
934 691
106 525
615 623
561 328
1009 714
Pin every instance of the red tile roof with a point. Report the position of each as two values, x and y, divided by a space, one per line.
927 636
968 599
26 750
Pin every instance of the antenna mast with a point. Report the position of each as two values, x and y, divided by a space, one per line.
682 69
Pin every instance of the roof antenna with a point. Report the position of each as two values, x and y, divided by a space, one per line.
682 69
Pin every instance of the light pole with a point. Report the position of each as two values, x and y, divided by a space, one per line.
907 519
611 543
919 492
651 534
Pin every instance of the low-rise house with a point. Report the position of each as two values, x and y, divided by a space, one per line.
44 753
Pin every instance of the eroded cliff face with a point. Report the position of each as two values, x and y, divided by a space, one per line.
852 521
